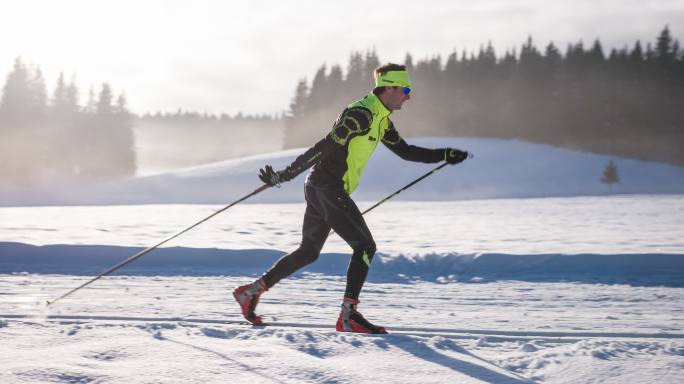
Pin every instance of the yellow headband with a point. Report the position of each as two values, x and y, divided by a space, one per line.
393 79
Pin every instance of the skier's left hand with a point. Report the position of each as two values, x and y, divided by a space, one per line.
454 156
275 178
269 176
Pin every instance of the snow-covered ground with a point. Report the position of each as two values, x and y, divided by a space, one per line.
184 329
500 169
583 287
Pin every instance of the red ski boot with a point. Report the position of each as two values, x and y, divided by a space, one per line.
350 320
248 297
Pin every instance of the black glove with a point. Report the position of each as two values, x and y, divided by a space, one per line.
273 178
454 156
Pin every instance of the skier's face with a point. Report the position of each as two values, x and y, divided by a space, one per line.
394 98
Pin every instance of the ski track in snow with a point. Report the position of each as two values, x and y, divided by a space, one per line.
150 329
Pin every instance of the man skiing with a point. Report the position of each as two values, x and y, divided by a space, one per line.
338 161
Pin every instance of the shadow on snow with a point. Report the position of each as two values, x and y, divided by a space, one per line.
633 269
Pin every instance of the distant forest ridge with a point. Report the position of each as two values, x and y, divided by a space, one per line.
627 102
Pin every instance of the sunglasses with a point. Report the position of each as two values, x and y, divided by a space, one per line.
406 90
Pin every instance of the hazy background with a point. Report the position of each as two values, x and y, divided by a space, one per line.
100 90
247 56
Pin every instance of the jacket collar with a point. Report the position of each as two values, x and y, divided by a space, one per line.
378 107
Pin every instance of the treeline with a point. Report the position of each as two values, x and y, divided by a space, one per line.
626 102
171 140
54 139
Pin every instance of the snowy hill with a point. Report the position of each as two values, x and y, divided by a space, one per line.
500 169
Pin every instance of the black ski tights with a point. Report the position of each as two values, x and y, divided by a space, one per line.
329 208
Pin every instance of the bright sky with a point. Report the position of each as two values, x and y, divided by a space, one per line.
229 56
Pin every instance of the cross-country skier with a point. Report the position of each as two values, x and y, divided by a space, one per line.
338 160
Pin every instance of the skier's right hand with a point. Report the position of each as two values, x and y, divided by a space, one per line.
271 177
454 156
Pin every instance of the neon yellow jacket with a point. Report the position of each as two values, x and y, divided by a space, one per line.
339 159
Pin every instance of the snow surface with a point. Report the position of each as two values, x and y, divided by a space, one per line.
583 287
135 329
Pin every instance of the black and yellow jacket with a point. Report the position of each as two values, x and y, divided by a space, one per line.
340 157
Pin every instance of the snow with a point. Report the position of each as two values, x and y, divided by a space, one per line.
500 169
559 279
183 329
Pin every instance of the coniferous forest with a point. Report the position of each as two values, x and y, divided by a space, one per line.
626 102
48 139
54 139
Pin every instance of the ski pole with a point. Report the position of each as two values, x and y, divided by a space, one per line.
407 186
150 249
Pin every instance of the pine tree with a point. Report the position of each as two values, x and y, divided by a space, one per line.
298 104
335 86
65 98
124 142
59 96
663 50
531 61
104 101
71 95
356 78
319 90
595 56
487 58
120 107
636 56
370 64
552 56
100 144
610 174
296 132
24 98
408 62
39 99
66 131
